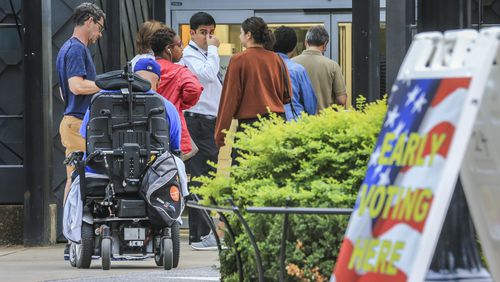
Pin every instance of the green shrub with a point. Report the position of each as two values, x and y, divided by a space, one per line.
319 161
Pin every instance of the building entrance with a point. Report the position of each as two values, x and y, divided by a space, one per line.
228 29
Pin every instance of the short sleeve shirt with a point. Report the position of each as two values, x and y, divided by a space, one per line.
74 59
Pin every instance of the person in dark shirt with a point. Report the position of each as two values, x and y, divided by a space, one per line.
304 99
76 72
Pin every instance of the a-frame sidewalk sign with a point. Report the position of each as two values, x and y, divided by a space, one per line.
443 106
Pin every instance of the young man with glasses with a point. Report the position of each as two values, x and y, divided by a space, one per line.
201 56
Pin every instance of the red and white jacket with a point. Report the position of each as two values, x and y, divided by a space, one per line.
181 87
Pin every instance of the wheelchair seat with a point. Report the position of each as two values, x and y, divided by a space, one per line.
126 133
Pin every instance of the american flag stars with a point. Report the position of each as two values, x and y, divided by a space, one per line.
399 129
412 96
384 178
392 116
417 106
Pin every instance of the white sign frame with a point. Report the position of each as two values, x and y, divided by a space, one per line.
480 171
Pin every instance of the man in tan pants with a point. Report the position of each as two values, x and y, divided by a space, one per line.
76 72
69 130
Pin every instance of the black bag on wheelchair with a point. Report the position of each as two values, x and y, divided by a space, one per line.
161 188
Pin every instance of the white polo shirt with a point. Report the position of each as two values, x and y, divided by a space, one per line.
205 65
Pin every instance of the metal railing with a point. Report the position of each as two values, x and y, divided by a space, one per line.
286 211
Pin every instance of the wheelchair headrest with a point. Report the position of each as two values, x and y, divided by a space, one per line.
116 80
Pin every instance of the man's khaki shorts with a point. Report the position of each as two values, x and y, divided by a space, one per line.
70 134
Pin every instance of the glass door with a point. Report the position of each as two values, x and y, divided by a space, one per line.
342 48
300 22
342 51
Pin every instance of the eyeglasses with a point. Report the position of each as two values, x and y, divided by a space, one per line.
178 44
101 27
205 32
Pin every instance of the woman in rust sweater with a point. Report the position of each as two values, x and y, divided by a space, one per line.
254 83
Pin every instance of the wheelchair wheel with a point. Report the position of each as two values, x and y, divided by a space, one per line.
168 255
176 242
86 248
106 253
159 259
72 254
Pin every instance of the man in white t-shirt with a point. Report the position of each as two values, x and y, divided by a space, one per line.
202 58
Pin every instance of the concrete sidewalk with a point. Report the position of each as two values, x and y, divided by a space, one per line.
18 263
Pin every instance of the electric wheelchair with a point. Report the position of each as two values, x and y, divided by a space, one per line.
127 130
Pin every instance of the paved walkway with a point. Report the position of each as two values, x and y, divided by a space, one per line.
18 263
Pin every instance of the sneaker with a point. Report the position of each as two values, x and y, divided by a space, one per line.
207 243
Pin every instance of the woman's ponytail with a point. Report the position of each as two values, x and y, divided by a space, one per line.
260 32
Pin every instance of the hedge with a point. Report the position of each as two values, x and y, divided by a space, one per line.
319 161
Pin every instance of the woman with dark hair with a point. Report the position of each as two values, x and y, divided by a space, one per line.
179 85
256 80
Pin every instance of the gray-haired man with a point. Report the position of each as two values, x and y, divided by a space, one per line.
325 74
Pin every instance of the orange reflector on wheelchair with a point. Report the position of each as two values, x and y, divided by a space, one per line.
174 193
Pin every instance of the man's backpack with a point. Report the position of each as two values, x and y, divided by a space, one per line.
162 187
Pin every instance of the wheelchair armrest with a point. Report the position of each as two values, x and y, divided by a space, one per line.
92 155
